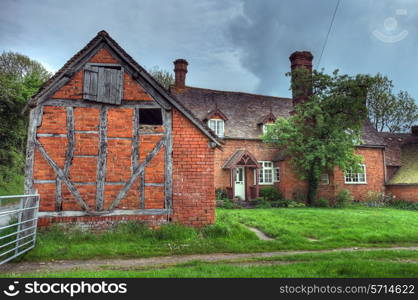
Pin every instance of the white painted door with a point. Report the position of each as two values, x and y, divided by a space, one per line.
240 183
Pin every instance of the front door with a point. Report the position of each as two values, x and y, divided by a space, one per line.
240 183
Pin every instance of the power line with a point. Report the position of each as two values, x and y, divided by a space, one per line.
329 30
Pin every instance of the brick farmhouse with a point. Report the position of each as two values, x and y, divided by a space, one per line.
106 142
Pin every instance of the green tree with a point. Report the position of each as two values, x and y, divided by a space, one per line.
322 131
164 77
389 111
20 78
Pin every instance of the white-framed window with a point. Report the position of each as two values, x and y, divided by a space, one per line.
276 174
266 127
324 180
356 178
266 172
217 125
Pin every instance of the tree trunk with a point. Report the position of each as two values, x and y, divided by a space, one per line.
313 183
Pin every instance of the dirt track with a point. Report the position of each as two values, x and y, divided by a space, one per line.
162 261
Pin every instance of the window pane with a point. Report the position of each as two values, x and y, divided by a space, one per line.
269 176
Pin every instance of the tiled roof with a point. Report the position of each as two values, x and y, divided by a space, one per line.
408 173
240 157
246 111
394 144
243 110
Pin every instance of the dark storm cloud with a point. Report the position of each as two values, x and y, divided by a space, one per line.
232 45
268 31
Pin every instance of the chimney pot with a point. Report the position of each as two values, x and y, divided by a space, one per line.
180 71
414 130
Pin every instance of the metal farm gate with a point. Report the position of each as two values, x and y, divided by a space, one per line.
18 222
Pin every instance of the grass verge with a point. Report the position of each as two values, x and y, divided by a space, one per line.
292 229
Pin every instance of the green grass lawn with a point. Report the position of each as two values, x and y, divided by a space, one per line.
292 229
375 264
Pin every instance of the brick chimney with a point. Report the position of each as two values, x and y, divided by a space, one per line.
301 59
180 70
414 130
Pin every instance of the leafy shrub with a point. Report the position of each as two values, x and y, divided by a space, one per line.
227 203
262 203
221 194
292 204
321 202
270 193
378 199
343 199
402 204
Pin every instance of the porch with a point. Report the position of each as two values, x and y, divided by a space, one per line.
244 175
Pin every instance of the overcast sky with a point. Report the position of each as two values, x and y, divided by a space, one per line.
239 45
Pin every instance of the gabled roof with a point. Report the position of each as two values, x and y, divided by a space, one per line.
241 158
408 172
266 119
243 110
215 112
394 146
150 85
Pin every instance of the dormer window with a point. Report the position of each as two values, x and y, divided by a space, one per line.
266 127
217 125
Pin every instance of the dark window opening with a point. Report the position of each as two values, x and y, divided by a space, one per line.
150 116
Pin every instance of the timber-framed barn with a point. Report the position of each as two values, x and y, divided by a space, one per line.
106 142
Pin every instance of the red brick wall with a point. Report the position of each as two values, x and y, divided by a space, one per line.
375 172
193 169
74 88
290 184
260 150
404 192
193 188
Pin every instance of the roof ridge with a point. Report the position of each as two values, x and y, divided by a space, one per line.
237 92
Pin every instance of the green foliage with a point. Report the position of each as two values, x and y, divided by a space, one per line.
324 130
294 204
20 78
387 110
402 204
357 226
175 232
227 204
343 199
262 203
164 77
217 231
270 193
380 199
221 194
377 199
321 202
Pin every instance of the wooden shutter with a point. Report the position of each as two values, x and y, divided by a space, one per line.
110 85
103 83
90 83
